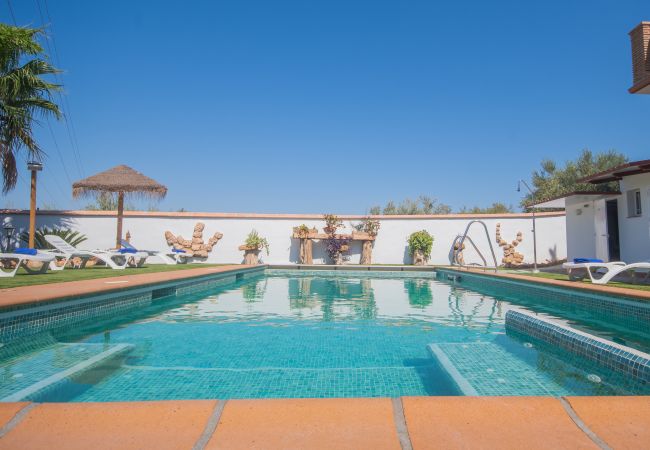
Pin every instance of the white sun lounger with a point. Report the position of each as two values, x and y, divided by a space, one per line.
114 260
169 258
635 267
21 261
590 269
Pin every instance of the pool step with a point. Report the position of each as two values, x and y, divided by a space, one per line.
26 375
485 368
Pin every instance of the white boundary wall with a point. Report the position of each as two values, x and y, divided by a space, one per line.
147 232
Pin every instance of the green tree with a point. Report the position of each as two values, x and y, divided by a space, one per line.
553 181
423 205
495 208
24 96
106 201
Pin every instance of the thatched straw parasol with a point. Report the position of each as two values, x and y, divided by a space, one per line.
123 180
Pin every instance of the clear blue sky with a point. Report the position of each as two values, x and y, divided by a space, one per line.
334 106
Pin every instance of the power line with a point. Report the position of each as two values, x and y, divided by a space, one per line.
65 99
65 106
11 11
41 185
58 151
49 125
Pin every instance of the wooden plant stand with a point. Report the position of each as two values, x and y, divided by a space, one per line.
306 244
251 254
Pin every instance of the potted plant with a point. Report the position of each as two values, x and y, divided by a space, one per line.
335 247
252 246
366 231
332 223
369 226
420 244
303 231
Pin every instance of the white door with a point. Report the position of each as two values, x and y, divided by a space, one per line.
600 228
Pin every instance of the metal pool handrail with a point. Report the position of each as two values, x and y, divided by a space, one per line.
462 240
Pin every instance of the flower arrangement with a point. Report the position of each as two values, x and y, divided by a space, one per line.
335 246
332 223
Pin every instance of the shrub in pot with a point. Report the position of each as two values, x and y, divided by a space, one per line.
420 244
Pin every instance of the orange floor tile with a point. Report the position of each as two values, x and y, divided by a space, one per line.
94 426
491 422
306 423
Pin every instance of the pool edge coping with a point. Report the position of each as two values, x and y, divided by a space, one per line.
35 294
572 285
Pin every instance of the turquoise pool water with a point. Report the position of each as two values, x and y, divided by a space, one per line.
287 334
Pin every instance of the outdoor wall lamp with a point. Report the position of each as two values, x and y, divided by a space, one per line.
9 232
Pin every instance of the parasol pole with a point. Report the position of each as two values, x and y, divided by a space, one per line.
120 213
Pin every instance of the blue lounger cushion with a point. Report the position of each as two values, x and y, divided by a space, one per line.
587 260
26 251
127 250
126 244
175 250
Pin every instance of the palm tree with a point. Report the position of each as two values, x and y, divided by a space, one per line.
24 97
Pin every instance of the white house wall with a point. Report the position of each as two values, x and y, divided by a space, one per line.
581 242
635 231
147 232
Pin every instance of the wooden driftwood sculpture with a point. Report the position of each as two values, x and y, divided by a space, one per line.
251 254
458 251
511 257
306 244
196 246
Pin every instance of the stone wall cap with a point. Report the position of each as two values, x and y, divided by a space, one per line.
235 215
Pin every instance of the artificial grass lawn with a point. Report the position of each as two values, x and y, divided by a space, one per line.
22 278
564 277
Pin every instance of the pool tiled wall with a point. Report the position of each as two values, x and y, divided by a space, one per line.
618 358
25 321
622 310
19 323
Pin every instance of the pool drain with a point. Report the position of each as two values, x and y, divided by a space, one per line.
594 378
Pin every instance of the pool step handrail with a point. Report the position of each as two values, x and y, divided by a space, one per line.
455 262
457 252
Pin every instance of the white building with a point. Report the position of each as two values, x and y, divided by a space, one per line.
611 226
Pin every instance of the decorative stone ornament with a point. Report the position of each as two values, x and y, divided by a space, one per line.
511 258
195 247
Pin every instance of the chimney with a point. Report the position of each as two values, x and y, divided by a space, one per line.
640 39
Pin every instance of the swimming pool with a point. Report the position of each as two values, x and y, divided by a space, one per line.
284 333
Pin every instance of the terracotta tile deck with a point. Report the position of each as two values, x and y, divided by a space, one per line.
431 422
306 423
492 422
622 422
9 410
137 425
53 291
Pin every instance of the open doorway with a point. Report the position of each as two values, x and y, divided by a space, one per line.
613 244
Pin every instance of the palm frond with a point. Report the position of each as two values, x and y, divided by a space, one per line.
73 238
24 97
